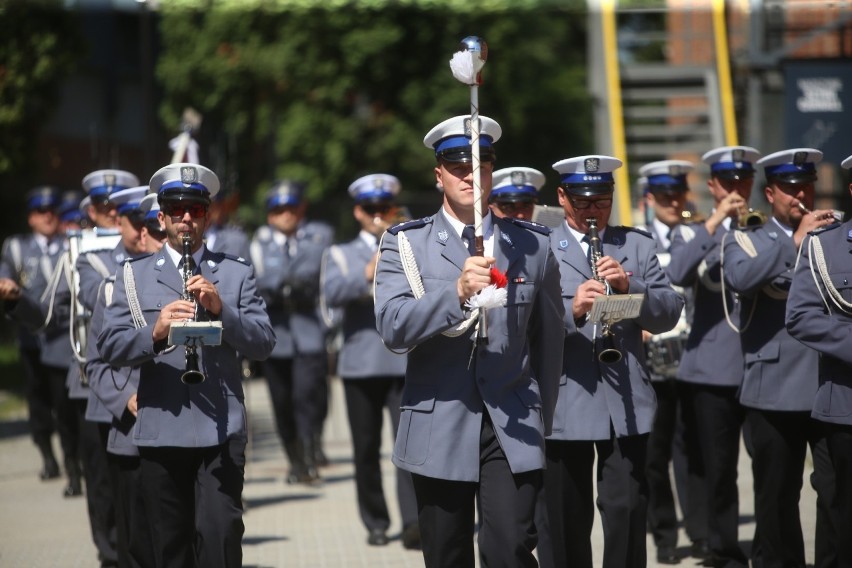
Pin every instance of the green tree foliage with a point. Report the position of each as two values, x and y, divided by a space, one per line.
39 45
328 95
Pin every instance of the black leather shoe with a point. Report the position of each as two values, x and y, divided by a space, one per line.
411 537
699 549
377 537
49 471
74 489
667 555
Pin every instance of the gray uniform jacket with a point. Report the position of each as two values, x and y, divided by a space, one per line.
828 332
780 372
229 239
515 377
171 413
344 287
289 283
596 398
23 261
713 354
110 388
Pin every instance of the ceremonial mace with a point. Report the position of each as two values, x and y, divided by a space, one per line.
466 65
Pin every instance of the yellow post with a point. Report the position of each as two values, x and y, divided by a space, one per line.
723 70
616 116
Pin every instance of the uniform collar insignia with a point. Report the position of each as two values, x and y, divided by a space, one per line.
211 263
849 235
443 236
563 243
506 238
772 234
161 261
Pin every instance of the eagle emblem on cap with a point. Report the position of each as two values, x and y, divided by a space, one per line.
592 164
519 178
799 158
109 179
738 155
675 170
467 131
188 174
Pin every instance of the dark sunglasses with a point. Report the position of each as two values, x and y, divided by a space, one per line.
511 207
196 210
587 203
376 208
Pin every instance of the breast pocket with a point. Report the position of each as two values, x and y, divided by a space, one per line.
519 297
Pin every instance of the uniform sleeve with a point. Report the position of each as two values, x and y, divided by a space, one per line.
119 342
808 319
662 305
90 280
687 255
747 274
546 339
401 320
343 278
246 326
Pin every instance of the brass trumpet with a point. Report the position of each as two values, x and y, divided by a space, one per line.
609 354
752 218
192 375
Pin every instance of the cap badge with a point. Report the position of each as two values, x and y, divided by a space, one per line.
188 175
738 155
467 131
800 158
378 183
443 236
109 179
592 165
519 178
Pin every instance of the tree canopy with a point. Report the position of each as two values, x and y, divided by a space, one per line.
326 96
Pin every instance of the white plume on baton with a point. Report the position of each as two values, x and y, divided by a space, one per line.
466 65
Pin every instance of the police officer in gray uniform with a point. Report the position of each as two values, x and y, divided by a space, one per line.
26 265
711 369
604 408
778 387
287 256
223 236
474 412
515 192
819 315
191 437
372 375
664 185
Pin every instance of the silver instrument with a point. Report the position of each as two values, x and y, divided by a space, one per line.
838 215
609 354
663 351
192 375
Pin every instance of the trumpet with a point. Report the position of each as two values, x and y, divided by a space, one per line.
609 354
752 218
191 375
838 215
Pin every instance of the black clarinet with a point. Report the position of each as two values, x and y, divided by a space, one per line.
192 375
609 354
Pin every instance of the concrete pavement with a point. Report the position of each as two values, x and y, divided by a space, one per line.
292 526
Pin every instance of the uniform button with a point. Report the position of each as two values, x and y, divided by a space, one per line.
160 305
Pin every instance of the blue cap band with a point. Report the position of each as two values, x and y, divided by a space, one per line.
666 179
177 184
125 208
105 190
459 142
587 179
807 167
375 195
281 201
731 166
515 189
39 201
152 214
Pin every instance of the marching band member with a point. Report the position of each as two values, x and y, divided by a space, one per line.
493 399
779 384
665 187
605 407
820 316
515 192
372 375
191 437
711 370
287 256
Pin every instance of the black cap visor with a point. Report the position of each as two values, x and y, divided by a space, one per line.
588 190
463 154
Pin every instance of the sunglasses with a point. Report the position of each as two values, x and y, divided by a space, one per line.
587 203
195 210
511 207
376 208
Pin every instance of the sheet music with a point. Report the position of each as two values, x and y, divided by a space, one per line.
208 333
616 308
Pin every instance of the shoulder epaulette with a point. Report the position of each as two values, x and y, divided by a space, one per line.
413 224
235 258
530 225
642 232
824 229
135 258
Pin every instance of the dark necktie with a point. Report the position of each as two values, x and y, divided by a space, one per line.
469 235
588 244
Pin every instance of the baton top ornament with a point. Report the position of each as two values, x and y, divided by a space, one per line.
467 63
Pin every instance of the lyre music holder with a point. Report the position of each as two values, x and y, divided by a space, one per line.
196 333
610 309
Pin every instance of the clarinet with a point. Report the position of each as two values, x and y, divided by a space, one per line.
191 375
609 354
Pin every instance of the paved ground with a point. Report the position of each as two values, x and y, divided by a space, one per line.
291 526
